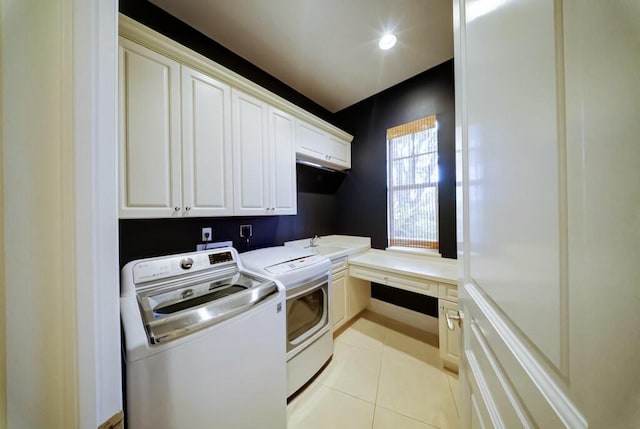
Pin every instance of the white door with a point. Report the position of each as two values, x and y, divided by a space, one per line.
149 140
250 155
547 107
206 146
282 143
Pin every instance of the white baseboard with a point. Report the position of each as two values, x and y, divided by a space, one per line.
404 315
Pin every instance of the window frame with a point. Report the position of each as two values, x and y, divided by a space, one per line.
411 243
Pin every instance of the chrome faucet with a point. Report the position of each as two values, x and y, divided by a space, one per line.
312 242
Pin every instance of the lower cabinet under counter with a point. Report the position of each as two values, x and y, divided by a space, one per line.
349 297
449 334
338 299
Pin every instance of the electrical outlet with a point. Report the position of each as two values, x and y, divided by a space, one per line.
207 234
246 231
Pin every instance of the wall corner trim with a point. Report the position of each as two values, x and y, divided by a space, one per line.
114 422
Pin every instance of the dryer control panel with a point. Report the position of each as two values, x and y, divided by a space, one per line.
294 264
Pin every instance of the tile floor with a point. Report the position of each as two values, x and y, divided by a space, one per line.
383 375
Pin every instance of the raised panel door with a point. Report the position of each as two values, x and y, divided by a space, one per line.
149 135
340 152
251 156
449 338
311 141
510 113
283 163
206 146
339 299
515 230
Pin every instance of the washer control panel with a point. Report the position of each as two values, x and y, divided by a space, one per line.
164 267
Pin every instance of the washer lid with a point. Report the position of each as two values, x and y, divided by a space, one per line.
171 312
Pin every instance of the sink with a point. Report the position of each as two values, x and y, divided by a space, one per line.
327 250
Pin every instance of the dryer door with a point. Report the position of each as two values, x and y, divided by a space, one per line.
307 312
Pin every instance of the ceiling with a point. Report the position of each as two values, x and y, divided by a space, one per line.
327 49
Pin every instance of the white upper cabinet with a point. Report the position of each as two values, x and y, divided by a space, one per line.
318 146
282 146
340 152
175 145
206 146
251 164
196 139
264 165
149 135
312 141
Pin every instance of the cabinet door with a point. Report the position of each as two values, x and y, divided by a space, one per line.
339 300
250 159
340 152
311 141
207 172
283 163
149 135
449 338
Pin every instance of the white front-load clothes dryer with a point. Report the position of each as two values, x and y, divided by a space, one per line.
307 279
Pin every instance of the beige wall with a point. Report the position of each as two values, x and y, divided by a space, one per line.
38 214
3 353
59 346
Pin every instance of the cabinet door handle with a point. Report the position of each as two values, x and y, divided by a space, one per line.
176 209
457 316
187 208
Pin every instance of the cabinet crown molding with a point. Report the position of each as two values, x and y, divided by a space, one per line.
143 35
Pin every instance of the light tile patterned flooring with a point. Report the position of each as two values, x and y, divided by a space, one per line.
383 375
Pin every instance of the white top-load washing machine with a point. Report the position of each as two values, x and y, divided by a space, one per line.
307 279
204 344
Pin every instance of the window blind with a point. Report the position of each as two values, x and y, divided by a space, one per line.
412 189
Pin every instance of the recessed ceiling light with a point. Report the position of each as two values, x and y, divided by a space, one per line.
387 41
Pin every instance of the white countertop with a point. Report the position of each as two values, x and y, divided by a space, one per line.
431 268
359 251
335 246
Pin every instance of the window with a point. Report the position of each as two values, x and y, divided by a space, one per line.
412 184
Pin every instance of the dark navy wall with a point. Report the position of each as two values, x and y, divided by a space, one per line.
328 203
140 238
362 198
166 24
